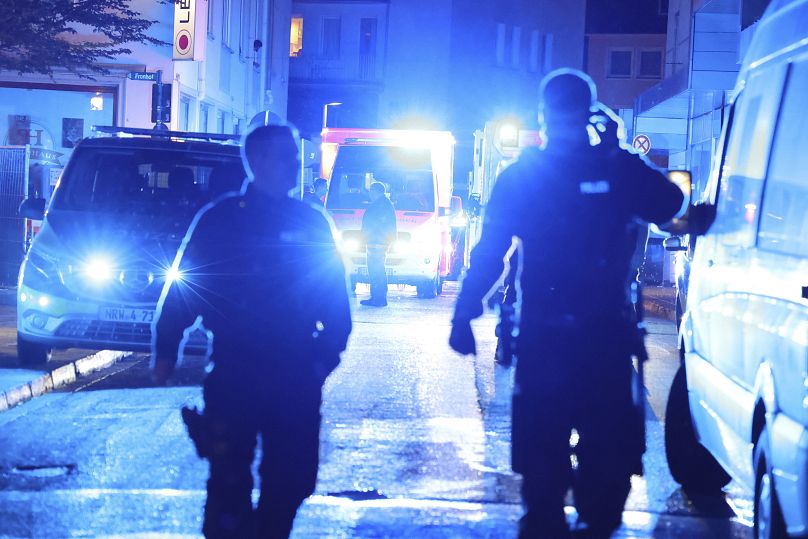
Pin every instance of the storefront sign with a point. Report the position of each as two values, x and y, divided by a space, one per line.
185 31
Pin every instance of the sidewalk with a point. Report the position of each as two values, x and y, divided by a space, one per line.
19 383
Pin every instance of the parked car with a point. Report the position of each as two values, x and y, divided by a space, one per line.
95 270
738 407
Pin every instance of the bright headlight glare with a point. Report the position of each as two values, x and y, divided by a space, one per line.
44 301
508 134
350 244
173 274
98 270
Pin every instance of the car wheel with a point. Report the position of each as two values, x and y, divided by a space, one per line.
769 522
690 464
428 289
31 353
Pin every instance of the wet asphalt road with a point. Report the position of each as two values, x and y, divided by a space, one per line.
415 442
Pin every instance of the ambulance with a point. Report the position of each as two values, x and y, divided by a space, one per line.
416 167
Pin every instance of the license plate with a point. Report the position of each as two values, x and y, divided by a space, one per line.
363 272
123 314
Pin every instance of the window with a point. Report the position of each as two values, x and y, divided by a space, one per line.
784 215
257 31
663 7
331 38
367 36
210 18
296 37
620 64
500 51
185 113
204 115
220 121
227 10
367 48
516 45
650 64
533 58
747 155
243 45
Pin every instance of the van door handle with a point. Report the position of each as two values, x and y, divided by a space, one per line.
710 263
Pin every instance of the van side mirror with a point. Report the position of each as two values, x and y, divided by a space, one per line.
456 205
674 243
32 208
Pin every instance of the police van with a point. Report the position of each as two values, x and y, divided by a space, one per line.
95 270
738 407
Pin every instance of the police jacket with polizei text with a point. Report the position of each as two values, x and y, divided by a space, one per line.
574 211
266 278
379 223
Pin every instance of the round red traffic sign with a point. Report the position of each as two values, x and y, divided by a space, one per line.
183 41
642 144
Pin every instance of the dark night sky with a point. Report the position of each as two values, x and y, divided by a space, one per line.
626 16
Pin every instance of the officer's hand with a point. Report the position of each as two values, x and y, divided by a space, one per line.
162 371
462 338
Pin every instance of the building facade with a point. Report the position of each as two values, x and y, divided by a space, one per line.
683 114
441 64
240 67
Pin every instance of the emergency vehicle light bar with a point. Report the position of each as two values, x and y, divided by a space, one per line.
155 133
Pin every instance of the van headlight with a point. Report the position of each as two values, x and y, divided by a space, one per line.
350 245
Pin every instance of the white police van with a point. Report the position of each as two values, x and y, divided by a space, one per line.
95 270
739 404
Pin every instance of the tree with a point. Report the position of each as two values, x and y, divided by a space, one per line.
38 35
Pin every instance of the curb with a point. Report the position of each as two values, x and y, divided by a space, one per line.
66 374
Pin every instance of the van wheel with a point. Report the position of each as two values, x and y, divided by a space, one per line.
690 464
769 523
31 353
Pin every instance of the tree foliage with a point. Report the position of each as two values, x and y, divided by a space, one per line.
37 36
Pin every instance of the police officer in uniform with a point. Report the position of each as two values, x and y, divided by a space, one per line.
261 272
571 208
379 229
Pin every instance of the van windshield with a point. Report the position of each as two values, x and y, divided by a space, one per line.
407 173
145 180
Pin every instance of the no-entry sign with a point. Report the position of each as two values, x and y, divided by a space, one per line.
642 144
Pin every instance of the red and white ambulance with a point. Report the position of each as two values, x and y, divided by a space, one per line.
416 166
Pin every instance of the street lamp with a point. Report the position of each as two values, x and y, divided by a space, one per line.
325 112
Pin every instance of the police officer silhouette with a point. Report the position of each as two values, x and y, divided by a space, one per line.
572 210
262 273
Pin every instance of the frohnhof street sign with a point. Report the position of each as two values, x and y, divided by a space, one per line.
142 75
642 143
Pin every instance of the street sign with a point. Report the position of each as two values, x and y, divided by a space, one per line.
142 75
642 143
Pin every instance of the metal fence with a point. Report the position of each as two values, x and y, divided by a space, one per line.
13 189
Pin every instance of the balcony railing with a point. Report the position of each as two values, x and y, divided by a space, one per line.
362 67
